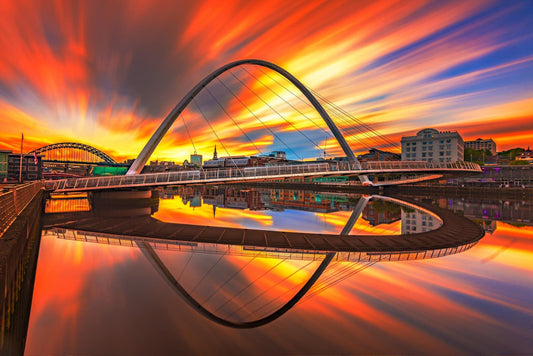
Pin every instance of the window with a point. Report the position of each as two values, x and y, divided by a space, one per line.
430 148
441 153
448 153
423 154
430 154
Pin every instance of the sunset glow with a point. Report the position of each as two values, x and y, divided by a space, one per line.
71 74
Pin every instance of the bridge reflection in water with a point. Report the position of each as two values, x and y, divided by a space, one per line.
312 262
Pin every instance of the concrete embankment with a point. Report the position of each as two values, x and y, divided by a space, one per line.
19 247
513 193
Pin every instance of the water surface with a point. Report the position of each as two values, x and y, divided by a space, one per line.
97 298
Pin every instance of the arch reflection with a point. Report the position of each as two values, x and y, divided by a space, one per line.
443 241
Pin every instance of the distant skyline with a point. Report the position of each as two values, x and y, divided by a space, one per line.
107 73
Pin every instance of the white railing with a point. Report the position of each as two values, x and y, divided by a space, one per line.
249 173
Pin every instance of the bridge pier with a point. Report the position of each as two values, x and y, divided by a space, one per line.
124 203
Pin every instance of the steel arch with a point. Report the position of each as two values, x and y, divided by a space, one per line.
156 138
76 145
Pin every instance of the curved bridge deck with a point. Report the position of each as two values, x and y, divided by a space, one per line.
455 231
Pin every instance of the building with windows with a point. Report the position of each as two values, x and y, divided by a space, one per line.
415 221
4 158
32 167
433 145
482 145
196 160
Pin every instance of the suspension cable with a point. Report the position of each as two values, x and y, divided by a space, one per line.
214 132
249 285
257 118
253 312
296 96
228 280
232 120
188 133
355 119
281 116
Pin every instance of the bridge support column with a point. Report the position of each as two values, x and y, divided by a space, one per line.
124 203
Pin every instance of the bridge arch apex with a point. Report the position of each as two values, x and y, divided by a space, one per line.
156 138
75 145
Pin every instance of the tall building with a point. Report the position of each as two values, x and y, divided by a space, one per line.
196 160
433 145
481 144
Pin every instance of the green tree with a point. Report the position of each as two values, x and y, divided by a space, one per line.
511 154
519 162
477 156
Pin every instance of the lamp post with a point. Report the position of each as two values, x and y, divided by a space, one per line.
20 168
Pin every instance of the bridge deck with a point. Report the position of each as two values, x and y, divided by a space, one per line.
455 231
232 175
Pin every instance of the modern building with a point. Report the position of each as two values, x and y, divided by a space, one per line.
482 145
415 221
32 167
196 160
4 159
433 145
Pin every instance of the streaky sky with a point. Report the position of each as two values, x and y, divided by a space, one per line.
106 73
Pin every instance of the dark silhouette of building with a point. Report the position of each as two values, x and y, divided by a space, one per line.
32 167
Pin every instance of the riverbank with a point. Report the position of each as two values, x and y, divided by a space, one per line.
435 190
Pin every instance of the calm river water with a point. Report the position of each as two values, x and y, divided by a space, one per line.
105 295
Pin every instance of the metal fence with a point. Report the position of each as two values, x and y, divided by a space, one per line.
248 173
14 201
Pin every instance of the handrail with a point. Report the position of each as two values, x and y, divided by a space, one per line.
14 201
249 173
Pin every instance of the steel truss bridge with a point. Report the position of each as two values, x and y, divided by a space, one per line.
74 152
133 178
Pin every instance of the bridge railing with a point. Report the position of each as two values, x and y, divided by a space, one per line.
247 172
185 176
384 165
14 201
